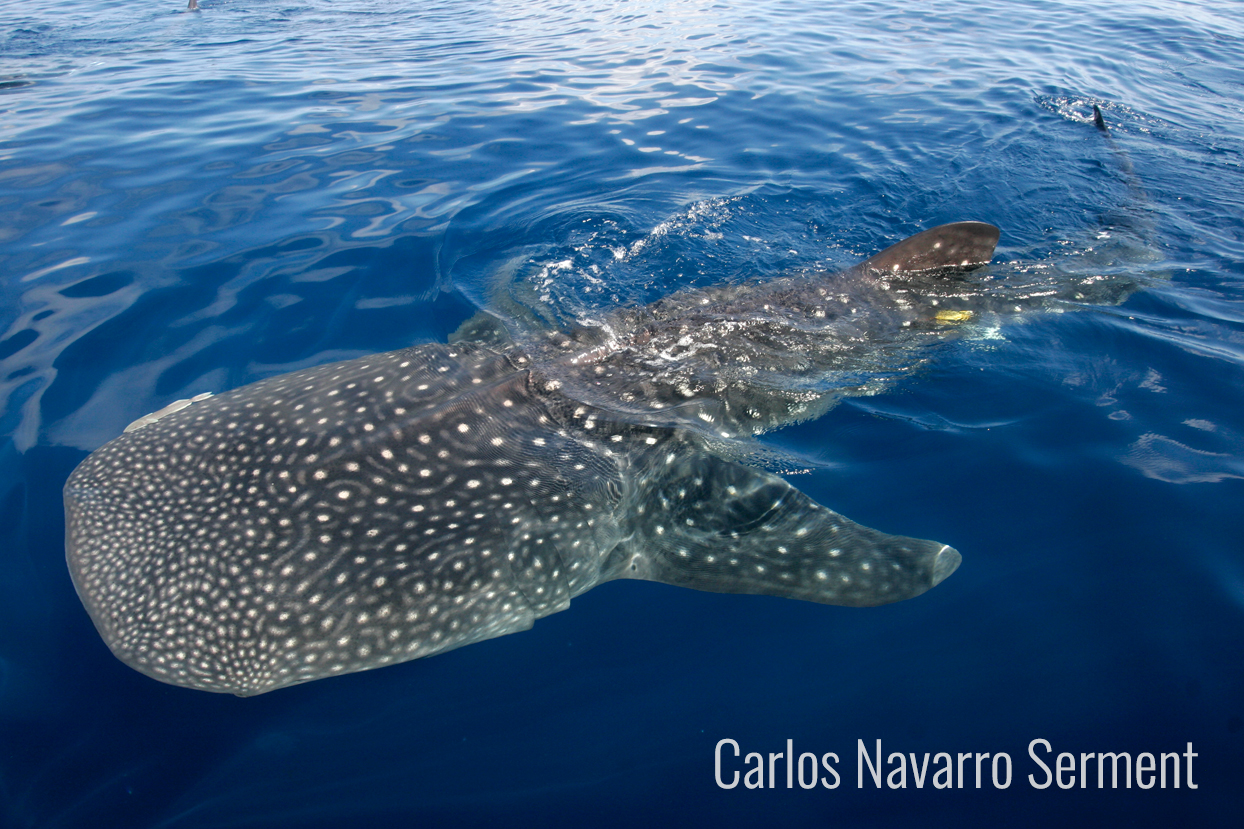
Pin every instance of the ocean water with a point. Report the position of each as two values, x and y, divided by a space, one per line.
193 201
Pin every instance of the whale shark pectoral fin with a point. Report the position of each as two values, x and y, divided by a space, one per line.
954 247
714 525
483 328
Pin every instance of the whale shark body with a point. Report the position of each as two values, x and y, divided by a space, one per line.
378 510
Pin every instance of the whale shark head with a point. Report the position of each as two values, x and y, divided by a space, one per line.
369 512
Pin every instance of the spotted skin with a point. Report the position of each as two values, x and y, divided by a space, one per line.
336 519
369 512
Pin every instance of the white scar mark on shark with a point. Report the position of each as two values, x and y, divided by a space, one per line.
175 406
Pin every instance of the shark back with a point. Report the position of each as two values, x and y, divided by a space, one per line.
733 361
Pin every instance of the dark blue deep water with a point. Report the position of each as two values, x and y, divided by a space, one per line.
193 201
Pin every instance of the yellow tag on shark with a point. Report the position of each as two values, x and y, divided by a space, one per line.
953 316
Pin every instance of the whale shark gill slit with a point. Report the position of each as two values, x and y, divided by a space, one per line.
378 510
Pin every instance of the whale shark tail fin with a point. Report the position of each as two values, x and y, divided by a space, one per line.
714 525
960 246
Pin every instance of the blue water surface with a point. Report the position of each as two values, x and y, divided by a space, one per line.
193 201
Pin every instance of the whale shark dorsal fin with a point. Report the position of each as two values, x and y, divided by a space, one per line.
954 247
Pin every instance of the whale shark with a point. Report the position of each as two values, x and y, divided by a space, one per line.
373 511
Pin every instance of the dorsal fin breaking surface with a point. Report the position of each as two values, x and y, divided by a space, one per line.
953 247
